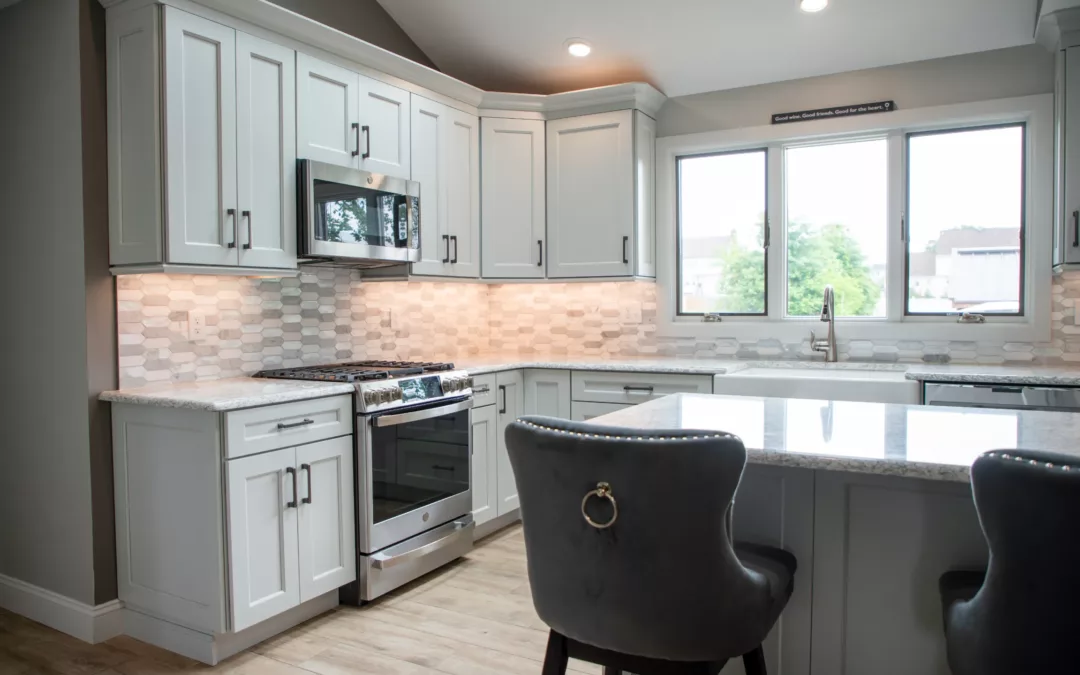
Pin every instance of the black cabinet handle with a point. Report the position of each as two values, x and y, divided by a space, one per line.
367 136
281 426
1076 229
540 245
356 128
502 390
453 238
292 471
247 214
646 388
306 500
438 467
232 214
625 241
446 240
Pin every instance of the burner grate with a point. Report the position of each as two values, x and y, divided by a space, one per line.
356 371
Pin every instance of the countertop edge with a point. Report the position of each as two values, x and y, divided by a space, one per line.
995 378
224 404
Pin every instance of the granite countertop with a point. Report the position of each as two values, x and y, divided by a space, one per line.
877 438
1061 376
226 394
493 363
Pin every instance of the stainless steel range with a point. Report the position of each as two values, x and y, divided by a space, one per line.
413 468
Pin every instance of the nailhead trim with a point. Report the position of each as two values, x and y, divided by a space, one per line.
632 438
1032 462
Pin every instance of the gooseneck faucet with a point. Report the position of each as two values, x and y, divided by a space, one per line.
828 315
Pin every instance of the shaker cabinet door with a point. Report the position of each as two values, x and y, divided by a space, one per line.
509 404
428 121
327 117
327 530
384 129
200 138
262 519
461 175
484 464
266 152
513 200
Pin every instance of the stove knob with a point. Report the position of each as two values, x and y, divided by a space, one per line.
396 394
468 382
370 397
384 395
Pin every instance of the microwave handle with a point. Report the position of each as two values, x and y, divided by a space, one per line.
425 414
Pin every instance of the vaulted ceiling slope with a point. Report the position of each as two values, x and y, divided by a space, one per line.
691 46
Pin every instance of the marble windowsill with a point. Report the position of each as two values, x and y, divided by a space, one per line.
878 438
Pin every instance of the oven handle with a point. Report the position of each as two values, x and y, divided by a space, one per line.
381 561
425 414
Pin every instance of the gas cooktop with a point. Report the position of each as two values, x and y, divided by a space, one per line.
357 371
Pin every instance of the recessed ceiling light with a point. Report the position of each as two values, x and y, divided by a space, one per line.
813 5
578 47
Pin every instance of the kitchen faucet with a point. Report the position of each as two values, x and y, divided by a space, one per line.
828 314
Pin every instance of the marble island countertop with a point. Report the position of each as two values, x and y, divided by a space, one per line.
879 438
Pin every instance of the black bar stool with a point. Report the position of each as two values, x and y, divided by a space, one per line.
1020 614
631 562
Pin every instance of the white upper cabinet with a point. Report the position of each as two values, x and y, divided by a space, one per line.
446 162
347 119
200 134
1067 119
266 152
327 112
514 204
220 111
596 170
384 127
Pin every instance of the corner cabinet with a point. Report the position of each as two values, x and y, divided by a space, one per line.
600 184
514 211
446 163
202 145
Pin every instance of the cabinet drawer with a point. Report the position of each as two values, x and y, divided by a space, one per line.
604 387
483 390
279 426
583 411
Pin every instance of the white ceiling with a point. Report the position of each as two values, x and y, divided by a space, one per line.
691 46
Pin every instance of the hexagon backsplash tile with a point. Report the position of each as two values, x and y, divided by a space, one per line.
329 315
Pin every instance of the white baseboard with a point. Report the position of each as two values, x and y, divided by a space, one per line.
213 648
89 623
495 524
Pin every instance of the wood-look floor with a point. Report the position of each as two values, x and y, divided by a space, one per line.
473 617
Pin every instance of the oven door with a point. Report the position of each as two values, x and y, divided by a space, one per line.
414 472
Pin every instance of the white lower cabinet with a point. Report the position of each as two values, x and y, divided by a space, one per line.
582 411
327 527
509 402
484 467
547 392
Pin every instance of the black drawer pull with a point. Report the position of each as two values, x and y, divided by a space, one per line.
646 388
282 426
437 467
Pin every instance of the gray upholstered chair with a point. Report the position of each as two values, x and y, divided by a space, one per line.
1019 616
630 556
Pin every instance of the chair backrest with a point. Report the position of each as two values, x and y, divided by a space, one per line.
663 581
1028 611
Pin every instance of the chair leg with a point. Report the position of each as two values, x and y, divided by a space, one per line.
754 662
557 655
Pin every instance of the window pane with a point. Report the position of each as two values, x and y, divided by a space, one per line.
965 210
721 233
837 220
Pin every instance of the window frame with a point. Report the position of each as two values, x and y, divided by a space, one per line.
1023 125
678 231
1036 112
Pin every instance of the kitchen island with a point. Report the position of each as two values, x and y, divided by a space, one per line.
873 499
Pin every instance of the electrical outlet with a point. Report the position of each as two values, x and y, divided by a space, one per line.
388 319
196 326
631 312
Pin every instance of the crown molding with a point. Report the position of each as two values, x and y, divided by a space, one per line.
635 95
1059 29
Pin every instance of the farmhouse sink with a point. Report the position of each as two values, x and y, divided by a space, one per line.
831 383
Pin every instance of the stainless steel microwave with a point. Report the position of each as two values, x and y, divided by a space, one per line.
356 218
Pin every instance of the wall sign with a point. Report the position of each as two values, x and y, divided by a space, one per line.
838 111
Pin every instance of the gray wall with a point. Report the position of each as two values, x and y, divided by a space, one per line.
48 266
1003 73
365 19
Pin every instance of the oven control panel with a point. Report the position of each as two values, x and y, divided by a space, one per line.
389 394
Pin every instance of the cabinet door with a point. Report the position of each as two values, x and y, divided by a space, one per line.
590 192
384 126
262 517
427 143
327 530
461 175
266 152
509 403
513 208
547 392
327 119
200 140
485 474
582 411
1069 242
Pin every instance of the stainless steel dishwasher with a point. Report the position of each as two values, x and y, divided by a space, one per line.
1002 396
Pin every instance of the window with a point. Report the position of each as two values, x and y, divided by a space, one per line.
965 222
837 225
721 237
917 218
